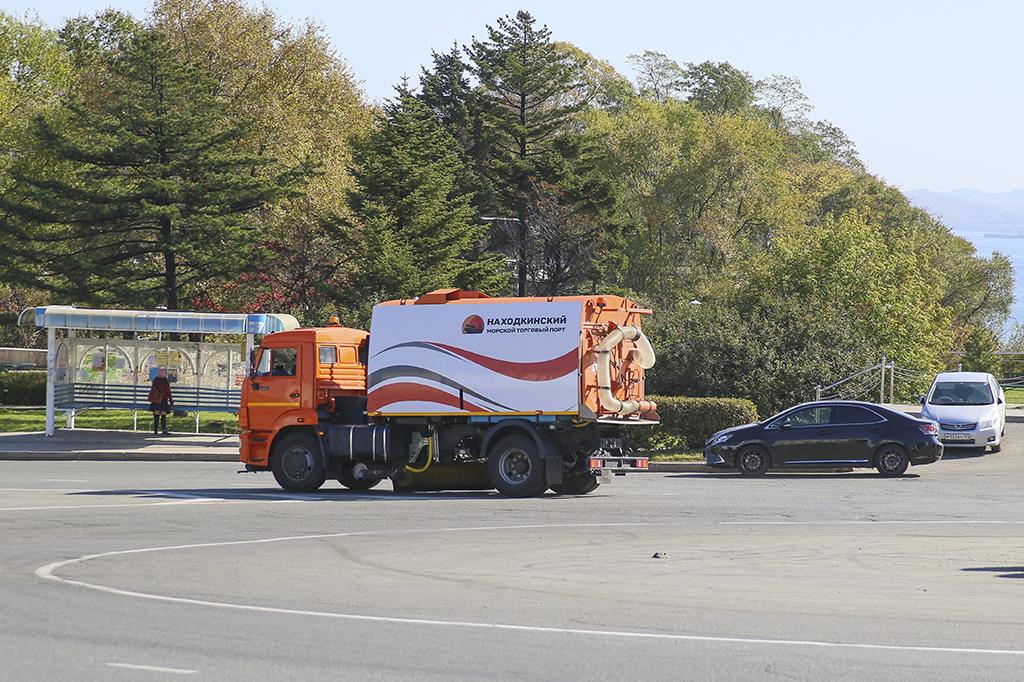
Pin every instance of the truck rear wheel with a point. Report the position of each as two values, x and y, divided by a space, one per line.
578 485
516 468
297 463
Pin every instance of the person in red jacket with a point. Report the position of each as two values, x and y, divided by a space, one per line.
160 401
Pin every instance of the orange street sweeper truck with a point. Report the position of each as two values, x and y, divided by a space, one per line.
454 390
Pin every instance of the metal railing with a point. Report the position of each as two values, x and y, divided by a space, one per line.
79 396
881 379
868 383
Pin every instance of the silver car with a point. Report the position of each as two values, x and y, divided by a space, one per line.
969 407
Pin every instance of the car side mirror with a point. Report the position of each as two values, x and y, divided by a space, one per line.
786 425
999 400
922 399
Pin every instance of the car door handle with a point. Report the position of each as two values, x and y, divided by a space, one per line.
294 395
822 432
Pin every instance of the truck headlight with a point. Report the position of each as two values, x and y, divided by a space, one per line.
987 424
719 439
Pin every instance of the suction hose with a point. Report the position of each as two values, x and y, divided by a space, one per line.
603 350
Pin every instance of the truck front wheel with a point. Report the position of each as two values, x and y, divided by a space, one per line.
516 468
297 464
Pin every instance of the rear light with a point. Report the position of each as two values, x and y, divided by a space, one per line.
596 463
928 429
642 463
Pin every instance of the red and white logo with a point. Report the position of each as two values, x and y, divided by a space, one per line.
474 324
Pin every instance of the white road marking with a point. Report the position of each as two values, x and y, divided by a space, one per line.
62 480
965 522
48 572
181 498
47 490
153 668
235 496
165 503
113 506
617 493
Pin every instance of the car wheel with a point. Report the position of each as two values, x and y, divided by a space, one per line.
578 485
892 460
753 461
516 468
346 478
297 464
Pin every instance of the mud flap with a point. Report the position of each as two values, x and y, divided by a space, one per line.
553 469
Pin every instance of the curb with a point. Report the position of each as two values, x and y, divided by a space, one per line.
701 468
683 467
129 456
134 456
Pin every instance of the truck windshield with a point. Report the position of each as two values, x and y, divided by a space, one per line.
961 393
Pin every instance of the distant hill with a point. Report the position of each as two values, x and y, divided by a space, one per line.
968 210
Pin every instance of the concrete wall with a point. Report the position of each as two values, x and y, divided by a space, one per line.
18 356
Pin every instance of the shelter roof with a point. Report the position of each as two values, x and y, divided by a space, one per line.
69 317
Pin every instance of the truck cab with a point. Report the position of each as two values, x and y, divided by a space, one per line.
298 379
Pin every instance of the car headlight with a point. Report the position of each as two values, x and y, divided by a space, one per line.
719 439
987 424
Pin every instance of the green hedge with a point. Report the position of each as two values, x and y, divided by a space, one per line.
687 422
23 388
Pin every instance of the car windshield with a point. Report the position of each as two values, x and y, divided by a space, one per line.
803 417
961 393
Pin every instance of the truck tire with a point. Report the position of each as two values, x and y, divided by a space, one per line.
297 463
352 483
578 485
516 468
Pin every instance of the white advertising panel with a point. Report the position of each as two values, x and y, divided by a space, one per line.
475 358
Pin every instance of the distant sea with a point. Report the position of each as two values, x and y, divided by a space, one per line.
1014 250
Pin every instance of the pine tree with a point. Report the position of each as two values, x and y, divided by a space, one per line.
530 92
148 196
446 89
418 229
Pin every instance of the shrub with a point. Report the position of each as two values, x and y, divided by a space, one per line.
687 422
22 388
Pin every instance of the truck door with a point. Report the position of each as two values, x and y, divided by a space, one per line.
275 385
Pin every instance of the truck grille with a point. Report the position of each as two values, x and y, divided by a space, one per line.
958 427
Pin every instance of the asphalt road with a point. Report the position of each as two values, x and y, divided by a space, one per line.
150 570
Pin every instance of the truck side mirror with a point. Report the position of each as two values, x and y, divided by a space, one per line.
252 361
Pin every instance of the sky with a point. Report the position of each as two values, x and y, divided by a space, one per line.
929 91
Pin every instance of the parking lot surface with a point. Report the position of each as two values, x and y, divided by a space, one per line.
138 570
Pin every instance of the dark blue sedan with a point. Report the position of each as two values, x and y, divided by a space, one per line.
827 433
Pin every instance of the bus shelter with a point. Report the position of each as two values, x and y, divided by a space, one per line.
107 371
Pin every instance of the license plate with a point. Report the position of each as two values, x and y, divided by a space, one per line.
957 436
